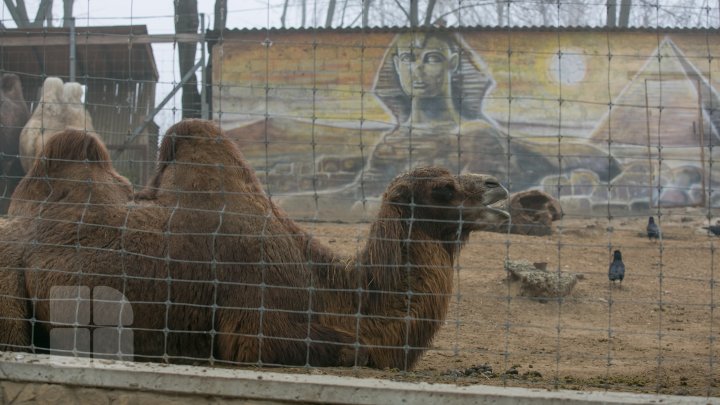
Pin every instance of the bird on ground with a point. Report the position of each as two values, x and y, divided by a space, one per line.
617 268
715 229
653 231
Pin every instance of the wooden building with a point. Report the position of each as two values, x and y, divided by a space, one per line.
119 76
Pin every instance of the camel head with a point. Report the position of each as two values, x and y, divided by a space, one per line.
483 195
443 206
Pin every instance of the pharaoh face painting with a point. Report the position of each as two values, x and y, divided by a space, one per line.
429 77
423 65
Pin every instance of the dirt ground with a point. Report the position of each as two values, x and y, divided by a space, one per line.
656 333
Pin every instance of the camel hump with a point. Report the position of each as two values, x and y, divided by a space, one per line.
72 92
11 83
70 146
52 89
188 131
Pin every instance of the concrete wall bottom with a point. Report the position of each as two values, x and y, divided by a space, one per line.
54 379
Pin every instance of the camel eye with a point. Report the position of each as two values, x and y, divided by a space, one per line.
443 193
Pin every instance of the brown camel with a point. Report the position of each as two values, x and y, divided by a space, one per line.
215 271
51 201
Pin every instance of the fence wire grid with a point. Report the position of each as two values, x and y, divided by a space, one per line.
449 203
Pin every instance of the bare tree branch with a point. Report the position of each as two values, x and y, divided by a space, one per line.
402 9
67 11
22 10
220 15
304 12
472 9
18 13
186 21
44 12
500 9
284 13
625 7
342 16
611 12
330 14
429 12
366 13
414 19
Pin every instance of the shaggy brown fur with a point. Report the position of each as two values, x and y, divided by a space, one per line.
213 269
76 168
52 206
14 314
404 273
14 114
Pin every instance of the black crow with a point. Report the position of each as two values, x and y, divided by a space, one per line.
617 268
715 229
653 231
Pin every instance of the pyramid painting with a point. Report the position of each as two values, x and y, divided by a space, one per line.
661 104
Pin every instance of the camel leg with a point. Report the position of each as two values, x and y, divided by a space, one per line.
388 339
285 341
344 353
14 324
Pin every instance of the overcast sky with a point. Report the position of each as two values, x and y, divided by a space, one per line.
158 14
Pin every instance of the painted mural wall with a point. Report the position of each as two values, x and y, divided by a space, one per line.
620 121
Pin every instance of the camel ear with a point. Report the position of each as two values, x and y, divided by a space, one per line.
400 193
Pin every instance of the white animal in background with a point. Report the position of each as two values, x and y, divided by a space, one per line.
60 107
76 116
44 120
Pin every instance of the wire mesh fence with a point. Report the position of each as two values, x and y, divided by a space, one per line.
438 204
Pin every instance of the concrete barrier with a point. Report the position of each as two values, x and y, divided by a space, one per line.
58 379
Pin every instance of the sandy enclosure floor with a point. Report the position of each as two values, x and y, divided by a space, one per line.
657 333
